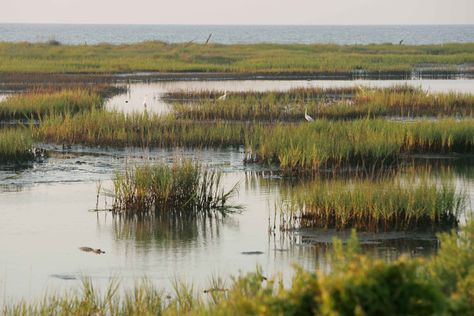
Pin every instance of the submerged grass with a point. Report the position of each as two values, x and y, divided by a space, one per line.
16 146
356 285
333 103
185 187
395 203
239 58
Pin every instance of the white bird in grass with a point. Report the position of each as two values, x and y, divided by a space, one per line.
306 116
144 103
224 96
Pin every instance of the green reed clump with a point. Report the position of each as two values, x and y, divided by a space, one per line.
310 147
356 285
15 146
393 203
183 187
37 103
118 129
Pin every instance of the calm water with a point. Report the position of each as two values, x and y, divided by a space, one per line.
92 34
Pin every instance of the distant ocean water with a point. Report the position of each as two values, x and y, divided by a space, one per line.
230 34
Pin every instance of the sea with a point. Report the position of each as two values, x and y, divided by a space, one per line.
238 34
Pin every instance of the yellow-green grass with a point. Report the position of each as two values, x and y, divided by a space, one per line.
356 285
344 103
37 103
239 58
310 147
120 130
396 203
185 187
15 146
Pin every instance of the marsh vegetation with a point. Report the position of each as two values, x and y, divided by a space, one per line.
185 187
240 58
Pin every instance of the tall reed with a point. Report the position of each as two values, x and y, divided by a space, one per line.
308 148
404 202
184 187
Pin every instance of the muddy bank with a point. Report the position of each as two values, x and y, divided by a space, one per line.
20 81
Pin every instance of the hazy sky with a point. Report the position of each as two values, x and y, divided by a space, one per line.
239 11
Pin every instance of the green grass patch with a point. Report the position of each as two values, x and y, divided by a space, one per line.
16 146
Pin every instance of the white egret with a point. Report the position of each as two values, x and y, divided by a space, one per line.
306 116
144 102
224 96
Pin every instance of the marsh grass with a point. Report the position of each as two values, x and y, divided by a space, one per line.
239 58
120 130
403 202
321 145
331 103
185 187
16 146
356 284
41 102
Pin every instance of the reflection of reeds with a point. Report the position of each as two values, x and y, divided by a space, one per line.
15 146
184 187
165 228
412 201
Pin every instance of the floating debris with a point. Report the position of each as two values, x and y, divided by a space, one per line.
89 249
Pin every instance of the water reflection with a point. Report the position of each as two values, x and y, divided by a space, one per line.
166 230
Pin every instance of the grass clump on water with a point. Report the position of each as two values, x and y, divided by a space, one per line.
16 146
184 187
396 203
356 285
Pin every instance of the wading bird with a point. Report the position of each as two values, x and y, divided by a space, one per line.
224 96
144 102
306 116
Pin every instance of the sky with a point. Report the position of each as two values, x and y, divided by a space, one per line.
300 12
